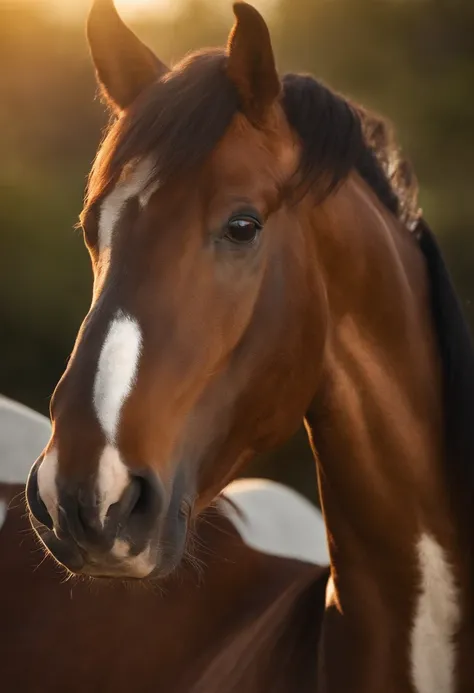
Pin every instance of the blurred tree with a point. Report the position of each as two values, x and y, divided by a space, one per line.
413 61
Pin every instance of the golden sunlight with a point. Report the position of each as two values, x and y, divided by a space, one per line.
133 7
130 7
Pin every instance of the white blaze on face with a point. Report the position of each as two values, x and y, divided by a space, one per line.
139 566
116 371
121 349
437 618
47 483
113 478
120 353
135 185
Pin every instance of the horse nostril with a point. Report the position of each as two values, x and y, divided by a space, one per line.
147 497
35 503
126 506
140 505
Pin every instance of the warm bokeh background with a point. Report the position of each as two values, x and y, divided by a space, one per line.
413 60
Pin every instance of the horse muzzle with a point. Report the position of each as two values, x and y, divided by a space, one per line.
140 536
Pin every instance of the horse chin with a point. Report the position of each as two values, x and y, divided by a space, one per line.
158 561
67 555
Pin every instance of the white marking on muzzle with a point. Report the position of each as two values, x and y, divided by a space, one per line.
47 487
116 372
126 565
113 478
437 616
140 566
136 184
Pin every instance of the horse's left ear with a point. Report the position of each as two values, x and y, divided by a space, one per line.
251 64
124 65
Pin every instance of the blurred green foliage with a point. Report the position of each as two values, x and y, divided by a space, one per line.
412 60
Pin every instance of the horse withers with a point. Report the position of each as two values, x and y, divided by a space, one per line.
259 257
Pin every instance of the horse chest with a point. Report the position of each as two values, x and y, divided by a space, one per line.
436 620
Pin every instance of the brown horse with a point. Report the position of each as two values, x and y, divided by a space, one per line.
253 570
259 257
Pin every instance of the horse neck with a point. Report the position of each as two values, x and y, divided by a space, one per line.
376 423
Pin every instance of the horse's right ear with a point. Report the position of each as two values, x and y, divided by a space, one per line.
124 65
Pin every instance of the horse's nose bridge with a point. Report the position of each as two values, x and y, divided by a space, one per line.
116 371
101 372
83 472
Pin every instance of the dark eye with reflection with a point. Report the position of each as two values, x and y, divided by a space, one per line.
243 229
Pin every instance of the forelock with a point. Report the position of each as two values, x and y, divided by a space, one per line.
175 124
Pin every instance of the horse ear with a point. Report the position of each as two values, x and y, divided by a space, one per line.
251 64
124 65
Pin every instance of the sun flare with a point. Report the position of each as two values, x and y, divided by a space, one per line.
131 7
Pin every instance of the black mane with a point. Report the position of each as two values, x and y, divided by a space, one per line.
457 354
337 136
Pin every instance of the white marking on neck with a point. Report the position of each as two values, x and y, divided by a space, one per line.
276 520
136 184
437 617
116 372
112 480
47 483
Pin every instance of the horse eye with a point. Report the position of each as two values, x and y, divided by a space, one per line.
243 230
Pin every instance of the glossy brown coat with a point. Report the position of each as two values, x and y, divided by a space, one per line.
342 313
